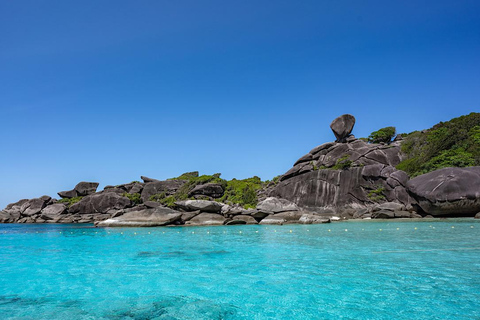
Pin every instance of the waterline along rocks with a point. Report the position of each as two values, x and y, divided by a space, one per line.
347 179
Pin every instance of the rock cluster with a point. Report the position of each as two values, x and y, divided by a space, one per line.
210 213
345 179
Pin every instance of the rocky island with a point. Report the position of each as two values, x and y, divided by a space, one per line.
430 173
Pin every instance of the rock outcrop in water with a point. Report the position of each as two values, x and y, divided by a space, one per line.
348 178
448 192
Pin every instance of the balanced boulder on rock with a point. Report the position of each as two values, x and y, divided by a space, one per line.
342 126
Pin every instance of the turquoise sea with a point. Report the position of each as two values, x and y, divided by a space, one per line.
345 270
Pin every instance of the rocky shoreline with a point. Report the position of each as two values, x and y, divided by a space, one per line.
346 179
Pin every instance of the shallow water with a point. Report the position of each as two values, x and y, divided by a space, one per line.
345 270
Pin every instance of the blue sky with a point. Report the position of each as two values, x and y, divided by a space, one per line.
110 90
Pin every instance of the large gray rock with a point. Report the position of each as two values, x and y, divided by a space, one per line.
67 194
132 187
33 206
312 219
206 219
147 179
5 217
383 214
55 209
160 216
202 205
391 206
15 208
167 187
275 205
81 189
342 126
290 216
354 174
246 219
100 203
448 191
214 190
272 219
86 188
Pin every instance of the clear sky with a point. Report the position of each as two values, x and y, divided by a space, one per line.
107 91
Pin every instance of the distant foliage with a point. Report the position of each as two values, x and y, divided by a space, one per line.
376 195
136 198
384 135
70 201
187 176
455 143
243 192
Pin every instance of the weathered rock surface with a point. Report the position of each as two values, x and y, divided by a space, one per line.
448 191
339 188
100 203
86 188
206 219
346 177
275 205
213 190
202 205
147 179
6 217
55 209
132 187
272 219
33 207
160 216
168 187
67 194
245 218
308 218
342 126
187 216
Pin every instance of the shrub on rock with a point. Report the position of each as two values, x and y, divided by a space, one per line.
384 135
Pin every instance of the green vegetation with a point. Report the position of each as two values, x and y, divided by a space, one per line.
384 135
71 201
136 198
276 179
343 163
376 194
186 176
242 192
168 201
455 143
193 180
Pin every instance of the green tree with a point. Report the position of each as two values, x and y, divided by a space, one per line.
384 135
